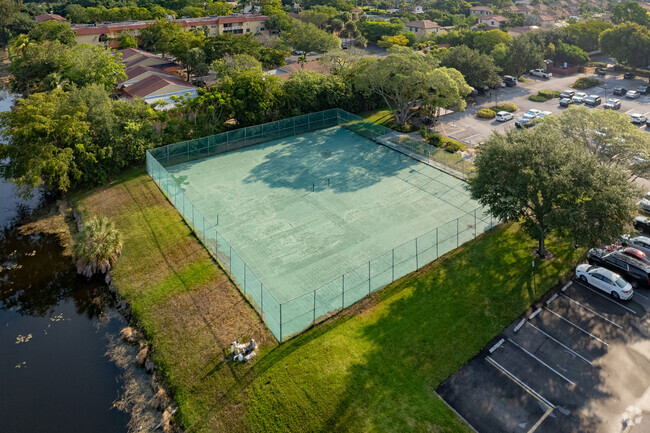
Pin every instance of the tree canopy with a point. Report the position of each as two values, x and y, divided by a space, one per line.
478 69
628 43
404 78
630 12
547 181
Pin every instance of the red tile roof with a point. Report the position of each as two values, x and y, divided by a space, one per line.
152 84
48 17
139 70
422 24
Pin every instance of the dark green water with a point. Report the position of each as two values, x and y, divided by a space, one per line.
54 333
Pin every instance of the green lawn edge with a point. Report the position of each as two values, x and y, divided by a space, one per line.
374 367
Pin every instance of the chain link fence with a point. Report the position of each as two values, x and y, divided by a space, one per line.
285 319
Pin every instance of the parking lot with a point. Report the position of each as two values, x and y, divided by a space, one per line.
579 362
466 127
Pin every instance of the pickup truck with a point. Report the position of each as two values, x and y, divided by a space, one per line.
540 73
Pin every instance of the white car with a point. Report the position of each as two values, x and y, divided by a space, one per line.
544 113
605 280
540 73
579 98
637 119
504 116
532 113
632 94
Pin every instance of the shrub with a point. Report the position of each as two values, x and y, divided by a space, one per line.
505 106
585 83
453 146
537 98
549 94
485 113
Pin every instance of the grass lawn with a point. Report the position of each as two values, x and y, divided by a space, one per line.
373 368
381 117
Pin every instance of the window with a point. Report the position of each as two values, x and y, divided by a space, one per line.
261 29
213 26
248 30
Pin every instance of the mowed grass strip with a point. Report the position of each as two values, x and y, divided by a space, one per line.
373 368
188 307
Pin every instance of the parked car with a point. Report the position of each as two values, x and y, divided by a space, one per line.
642 224
632 94
532 113
579 98
644 89
641 243
633 270
567 94
510 80
620 91
612 104
647 123
540 73
638 119
593 100
344 46
637 254
503 116
524 122
543 114
298 53
645 203
605 280
628 76
565 102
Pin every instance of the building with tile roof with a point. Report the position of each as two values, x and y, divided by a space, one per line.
423 28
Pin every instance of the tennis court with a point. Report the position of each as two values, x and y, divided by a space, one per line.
320 217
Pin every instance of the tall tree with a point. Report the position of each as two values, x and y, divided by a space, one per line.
8 11
53 31
160 36
402 79
548 183
478 69
307 37
630 12
628 43
571 54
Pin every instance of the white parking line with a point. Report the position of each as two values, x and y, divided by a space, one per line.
543 363
608 298
520 382
593 312
561 344
636 292
630 111
576 326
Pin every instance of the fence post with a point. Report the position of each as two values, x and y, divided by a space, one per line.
368 277
230 260
280 323
244 278
490 220
417 262
314 321
203 219
262 298
192 216
393 267
343 291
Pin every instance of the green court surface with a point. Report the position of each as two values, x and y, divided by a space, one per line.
302 211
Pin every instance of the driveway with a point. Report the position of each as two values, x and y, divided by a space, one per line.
579 362
466 127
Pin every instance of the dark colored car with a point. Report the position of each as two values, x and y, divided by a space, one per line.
643 89
647 123
620 91
642 224
592 100
637 254
565 102
524 122
632 270
567 94
612 104
510 80
628 76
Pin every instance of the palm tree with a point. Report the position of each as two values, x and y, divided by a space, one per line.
302 59
97 246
